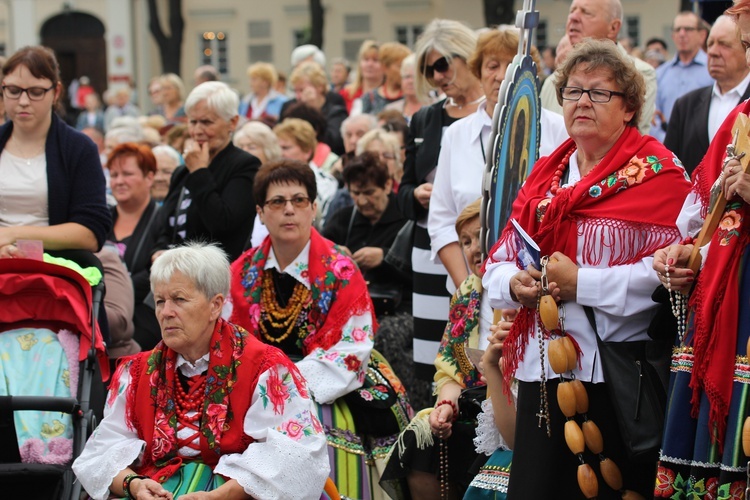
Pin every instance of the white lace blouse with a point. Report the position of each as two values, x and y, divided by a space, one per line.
288 458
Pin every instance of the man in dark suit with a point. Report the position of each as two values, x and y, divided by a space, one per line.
697 115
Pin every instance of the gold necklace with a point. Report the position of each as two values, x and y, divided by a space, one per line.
280 317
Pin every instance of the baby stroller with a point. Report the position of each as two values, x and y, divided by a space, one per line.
43 304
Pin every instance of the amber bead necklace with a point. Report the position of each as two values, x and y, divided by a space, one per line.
280 318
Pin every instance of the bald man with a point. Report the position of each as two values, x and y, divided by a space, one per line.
602 19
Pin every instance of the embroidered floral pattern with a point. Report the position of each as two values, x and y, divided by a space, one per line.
670 484
301 425
730 223
278 390
595 191
463 320
541 209
631 174
352 362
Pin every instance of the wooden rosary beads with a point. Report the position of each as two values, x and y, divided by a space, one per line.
573 399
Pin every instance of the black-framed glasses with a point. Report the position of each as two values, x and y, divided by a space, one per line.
441 66
34 93
595 95
279 203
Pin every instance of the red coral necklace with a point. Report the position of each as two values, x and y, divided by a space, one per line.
555 185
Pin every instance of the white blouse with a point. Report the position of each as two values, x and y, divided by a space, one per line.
461 165
283 462
619 295
23 190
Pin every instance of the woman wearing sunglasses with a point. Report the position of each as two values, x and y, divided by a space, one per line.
299 292
52 185
441 52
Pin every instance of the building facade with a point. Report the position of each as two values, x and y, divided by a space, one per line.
110 41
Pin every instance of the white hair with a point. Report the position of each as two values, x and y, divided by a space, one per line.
205 264
219 98
372 121
168 151
302 52
261 134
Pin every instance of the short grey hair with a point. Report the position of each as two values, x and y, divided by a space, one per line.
219 98
302 52
168 151
372 121
205 264
261 134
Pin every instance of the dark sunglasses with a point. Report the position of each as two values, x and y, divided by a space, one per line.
441 66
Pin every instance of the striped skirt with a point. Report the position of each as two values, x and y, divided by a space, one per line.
431 305
356 460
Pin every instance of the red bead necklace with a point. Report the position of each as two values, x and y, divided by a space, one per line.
555 185
191 401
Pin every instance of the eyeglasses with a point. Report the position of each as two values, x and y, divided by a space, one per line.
595 95
34 93
279 203
686 29
441 66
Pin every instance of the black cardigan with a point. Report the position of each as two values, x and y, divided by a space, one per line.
422 152
75 180
222 209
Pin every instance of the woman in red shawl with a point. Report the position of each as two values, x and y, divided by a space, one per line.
303 294
209 408
600 206
701 451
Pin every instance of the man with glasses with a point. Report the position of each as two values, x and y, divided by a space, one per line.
686 71
601 19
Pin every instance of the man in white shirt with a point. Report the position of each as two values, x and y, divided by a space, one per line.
601 19
697 115
686 71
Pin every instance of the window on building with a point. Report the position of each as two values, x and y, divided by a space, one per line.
257 53
214 50
259 29
542 39
633 29
357 23
408 34
300 37
351 49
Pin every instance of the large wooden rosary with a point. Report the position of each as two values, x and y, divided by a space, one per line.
573 399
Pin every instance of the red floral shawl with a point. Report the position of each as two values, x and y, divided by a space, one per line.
716 312
338 292
632 197
236 361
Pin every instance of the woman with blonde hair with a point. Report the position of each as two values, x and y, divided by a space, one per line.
386 145
263 102
369 76
310 85
390 56
258 139
442 53
411 102
172 98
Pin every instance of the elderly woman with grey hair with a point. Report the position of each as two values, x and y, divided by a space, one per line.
210 408
210 196
258 139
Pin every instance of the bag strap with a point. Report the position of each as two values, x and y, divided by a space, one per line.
349 228
146 230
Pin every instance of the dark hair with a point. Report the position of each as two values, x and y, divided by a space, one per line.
41 62
141 152
365 169
656 40
311 115
394 123
284 172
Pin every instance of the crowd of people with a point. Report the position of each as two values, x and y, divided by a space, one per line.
308 312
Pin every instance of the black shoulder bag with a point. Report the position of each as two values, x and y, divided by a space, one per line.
636 390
